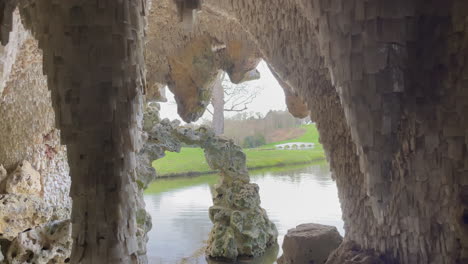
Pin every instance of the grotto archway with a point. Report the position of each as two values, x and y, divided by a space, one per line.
385 83
240 226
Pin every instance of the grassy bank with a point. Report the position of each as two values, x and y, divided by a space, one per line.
191 161
172 183
311 135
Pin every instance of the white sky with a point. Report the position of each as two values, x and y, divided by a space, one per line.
271 97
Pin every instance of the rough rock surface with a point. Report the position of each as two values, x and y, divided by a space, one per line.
384 80
350 252
19 212
188 60
27 120
50 243
24 180
309 243
3 176
241 226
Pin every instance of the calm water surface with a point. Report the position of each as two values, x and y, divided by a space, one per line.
291 196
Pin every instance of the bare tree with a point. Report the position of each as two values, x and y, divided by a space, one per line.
230 97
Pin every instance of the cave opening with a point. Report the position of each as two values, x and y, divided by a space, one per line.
179 199
384 81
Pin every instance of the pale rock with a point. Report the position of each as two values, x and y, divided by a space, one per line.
24 180
3 176
19 212
50 243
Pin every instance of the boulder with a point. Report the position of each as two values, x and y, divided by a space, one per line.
19 212
50 243
309 244
24 180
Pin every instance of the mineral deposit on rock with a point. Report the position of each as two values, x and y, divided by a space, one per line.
24 180
50 243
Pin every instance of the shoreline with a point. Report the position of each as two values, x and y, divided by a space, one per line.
198 173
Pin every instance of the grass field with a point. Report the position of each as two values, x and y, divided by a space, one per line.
311 135
192 160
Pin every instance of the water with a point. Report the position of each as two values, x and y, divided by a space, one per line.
291 196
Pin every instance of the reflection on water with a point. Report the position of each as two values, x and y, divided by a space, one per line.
291 196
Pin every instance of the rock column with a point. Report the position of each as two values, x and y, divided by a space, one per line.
241 226
93 58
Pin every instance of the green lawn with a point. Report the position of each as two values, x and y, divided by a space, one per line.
192 160
311 135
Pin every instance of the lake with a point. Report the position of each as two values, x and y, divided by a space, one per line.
290 195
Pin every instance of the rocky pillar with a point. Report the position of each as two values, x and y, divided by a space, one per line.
93 58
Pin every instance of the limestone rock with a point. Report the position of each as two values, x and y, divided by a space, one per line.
3 176
1 255
19 212
241 226
50 243
309 243
24 180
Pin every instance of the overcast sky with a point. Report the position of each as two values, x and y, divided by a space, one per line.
271 96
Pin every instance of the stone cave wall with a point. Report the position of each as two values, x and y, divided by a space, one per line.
385 84
27 125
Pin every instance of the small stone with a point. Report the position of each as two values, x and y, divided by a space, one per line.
309 243
50 243
24 180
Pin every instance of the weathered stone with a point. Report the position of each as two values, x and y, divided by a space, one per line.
50 243
350 252
309 243
19 212
374 81
24 180
3 176
27 118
